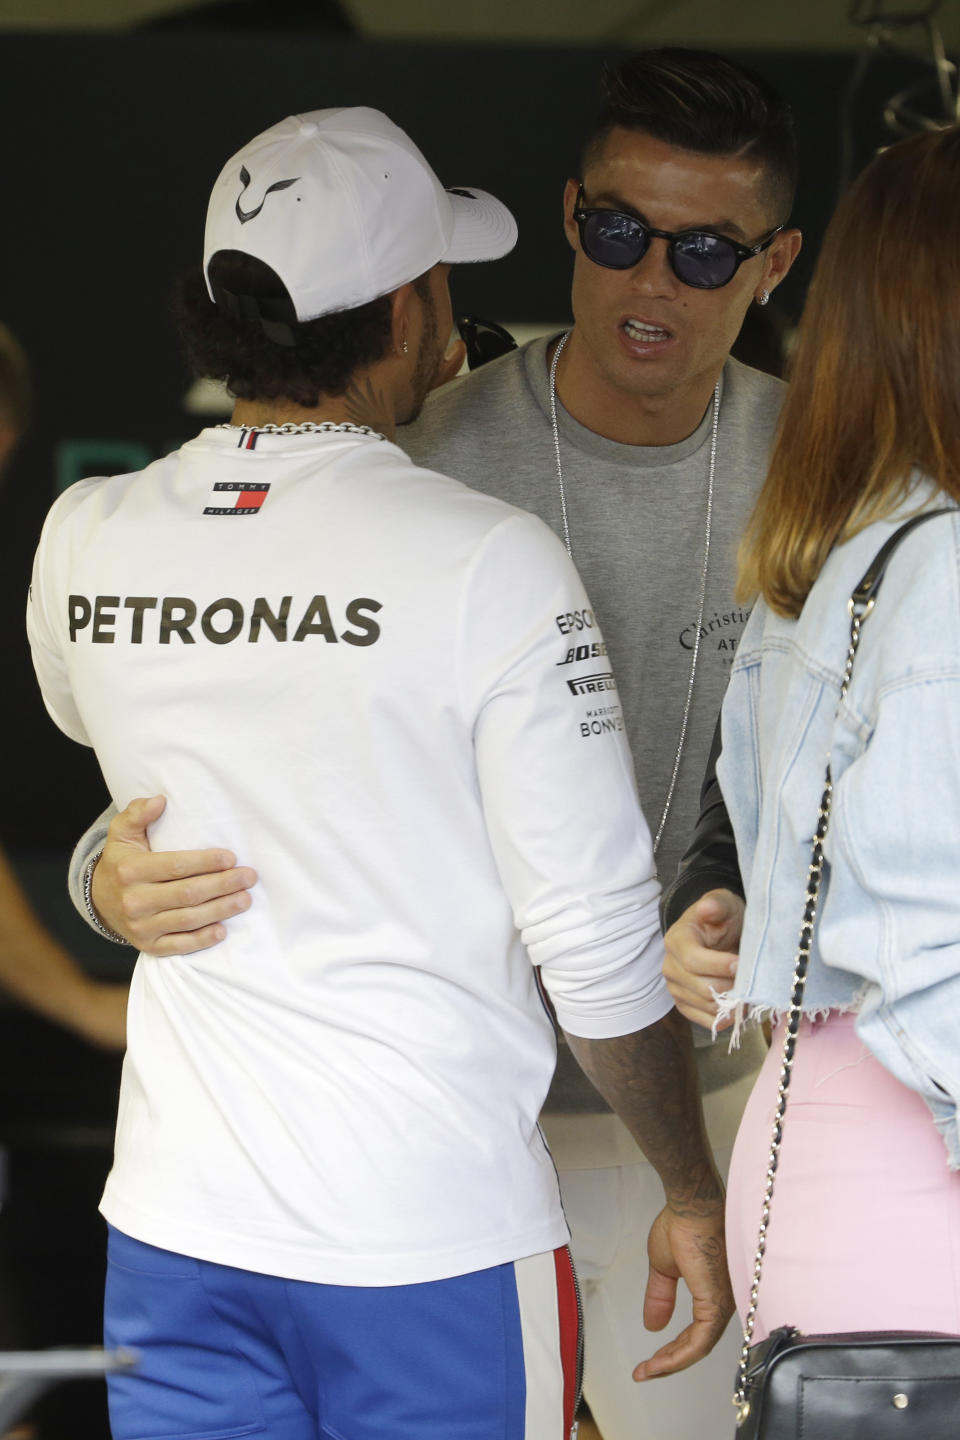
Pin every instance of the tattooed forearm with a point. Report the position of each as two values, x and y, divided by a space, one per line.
650 1080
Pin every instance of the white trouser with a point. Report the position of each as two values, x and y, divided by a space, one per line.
610 1208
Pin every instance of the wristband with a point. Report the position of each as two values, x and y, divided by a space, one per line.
92 915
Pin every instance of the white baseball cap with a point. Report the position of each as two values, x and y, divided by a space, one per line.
343 207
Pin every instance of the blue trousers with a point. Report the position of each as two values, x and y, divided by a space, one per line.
225 1352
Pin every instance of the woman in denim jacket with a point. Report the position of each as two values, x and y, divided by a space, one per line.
865 1224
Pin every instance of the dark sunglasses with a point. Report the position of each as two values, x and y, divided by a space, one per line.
484 340
699 258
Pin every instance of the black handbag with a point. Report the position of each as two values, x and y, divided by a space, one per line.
879 1385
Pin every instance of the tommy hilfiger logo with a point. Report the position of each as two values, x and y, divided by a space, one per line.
244 215
238 498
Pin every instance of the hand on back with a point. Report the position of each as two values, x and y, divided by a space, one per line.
170 902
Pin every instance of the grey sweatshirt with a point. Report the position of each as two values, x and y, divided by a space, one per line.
637 518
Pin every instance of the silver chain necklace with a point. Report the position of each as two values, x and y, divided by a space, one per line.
307 427
711 474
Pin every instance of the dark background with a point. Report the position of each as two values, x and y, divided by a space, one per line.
111 144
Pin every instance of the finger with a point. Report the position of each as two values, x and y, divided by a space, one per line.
686 991
687 960
659 1299
164 866
186 942
702 1015
186 898
179 932
718 916
690 995
714 908
129 825
694 992
693 1006
685 1349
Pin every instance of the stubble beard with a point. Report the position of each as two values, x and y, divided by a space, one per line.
427 365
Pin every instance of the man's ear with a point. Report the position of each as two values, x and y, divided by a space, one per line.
401 318
780 257
570 192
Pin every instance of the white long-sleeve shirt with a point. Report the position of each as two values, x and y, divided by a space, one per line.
389 694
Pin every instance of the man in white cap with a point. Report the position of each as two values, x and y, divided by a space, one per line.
332 1212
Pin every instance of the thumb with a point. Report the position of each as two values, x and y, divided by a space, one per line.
659 1299
129 826
712 909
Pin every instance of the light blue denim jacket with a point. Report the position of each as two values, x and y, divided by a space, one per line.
887 941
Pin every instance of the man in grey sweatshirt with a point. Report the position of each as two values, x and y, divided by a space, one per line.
642 443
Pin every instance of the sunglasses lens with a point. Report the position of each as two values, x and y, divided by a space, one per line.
617 241
703 260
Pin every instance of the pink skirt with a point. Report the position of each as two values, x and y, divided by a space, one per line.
864 1229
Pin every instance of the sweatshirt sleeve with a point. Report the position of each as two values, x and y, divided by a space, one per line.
91 842
556 779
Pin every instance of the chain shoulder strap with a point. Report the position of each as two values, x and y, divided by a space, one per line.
860 605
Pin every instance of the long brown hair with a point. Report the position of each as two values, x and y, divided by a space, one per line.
875 387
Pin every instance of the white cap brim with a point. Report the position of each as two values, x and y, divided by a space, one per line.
483 228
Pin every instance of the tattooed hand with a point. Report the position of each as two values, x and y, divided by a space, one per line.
692 1248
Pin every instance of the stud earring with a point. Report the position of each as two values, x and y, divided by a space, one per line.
405 347
763 297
